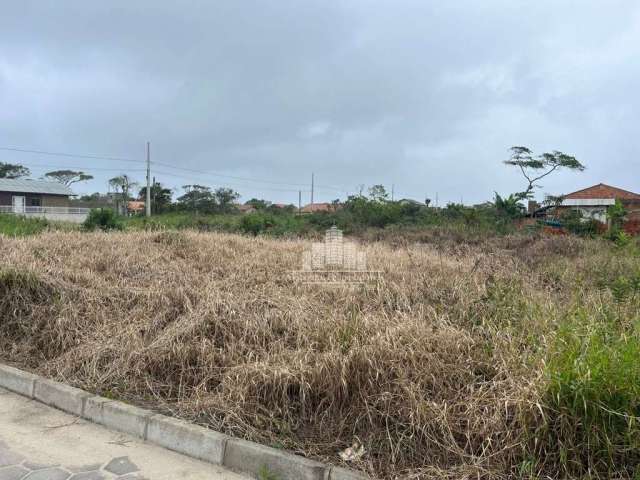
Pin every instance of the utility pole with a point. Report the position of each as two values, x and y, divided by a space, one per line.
392 191
299 202
154 199
148 200
311 189
437 205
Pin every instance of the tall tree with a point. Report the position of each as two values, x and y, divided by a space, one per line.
160 197
535 168
68 177
197 198
224 198
378 193
124 184
9 170
258 204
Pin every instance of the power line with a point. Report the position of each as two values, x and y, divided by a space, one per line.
123 159
246 179
171 174
73 155
225 184
141 170
31 166
214 174
184 169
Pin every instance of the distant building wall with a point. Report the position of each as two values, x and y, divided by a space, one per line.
633 210
59 217
55 201
35 199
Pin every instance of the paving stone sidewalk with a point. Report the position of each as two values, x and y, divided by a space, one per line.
38 442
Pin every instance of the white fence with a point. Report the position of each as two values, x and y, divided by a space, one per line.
588 202
58 214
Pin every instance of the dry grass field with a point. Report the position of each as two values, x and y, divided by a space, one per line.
506 357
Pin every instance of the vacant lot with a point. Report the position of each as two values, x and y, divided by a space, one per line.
510 357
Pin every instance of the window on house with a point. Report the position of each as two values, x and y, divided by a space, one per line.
35 202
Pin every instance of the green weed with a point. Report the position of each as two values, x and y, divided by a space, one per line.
594 392
16 226
265 474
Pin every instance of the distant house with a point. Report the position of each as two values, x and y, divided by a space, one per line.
246 208
38 198
319 207
412 202
594 201
135 206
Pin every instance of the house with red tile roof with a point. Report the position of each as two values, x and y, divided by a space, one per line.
135 206
594 201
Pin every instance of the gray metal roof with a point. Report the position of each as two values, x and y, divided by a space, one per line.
34 186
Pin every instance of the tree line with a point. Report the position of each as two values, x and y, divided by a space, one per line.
202 199
66 177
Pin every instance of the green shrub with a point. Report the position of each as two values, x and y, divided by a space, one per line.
594 394
103 219
256 223
574 222
616 214
17 226
620 238
625 287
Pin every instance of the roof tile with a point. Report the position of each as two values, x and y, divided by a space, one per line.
603 191
33 186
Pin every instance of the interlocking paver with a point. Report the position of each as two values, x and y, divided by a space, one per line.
81 450
13 473
37 466
84 468
95 475
48 474
121 466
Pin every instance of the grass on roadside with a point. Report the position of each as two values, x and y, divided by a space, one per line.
16 226
476 356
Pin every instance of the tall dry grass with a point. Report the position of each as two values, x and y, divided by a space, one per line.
440 370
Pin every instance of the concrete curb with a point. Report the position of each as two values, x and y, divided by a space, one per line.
171 433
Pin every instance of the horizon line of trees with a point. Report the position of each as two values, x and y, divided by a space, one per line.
66 177
202 199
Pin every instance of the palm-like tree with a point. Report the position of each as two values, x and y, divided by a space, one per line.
124 184
509 206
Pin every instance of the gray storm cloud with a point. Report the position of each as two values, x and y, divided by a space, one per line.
425 95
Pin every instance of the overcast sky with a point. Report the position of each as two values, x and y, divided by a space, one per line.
427 95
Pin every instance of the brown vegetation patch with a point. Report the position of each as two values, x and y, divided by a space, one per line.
436 370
